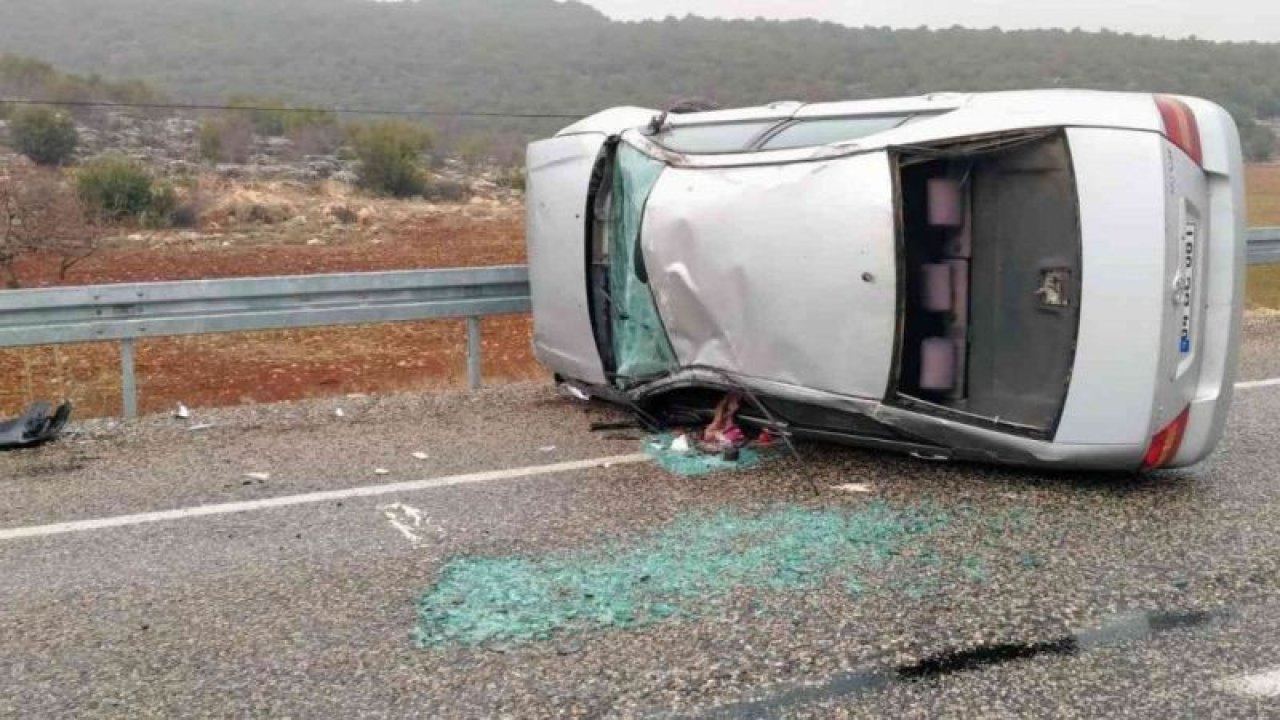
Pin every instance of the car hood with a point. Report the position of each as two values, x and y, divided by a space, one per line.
779 273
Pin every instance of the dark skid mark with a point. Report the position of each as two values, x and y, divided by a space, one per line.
984 656
1119 630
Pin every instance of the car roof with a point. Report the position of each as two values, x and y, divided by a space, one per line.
940 116
1076 106
936 102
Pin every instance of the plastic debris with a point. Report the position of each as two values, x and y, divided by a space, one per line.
679 445
339 413
35 427
258 476
183 412
692 463
199 428
381 471
573 391
547 449
421 456
855 488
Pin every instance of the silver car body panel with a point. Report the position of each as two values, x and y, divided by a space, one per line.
610 122
1122 219
556 207
1223 293
732 265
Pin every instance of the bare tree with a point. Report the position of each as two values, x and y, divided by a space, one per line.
40 216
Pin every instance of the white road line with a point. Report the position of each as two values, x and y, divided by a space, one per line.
1261 685
316 497
1254 384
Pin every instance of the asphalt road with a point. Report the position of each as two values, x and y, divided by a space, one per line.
981 592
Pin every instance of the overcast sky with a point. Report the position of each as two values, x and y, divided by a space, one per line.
1211 19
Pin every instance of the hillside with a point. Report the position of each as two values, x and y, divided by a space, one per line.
545 56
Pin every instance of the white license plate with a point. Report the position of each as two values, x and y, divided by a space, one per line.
1186 285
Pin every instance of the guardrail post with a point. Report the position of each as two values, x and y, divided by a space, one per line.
474 378
128 380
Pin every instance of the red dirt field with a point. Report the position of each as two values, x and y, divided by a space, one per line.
219 370
439 241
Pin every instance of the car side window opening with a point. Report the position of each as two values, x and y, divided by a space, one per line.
810 133
711 139
758 135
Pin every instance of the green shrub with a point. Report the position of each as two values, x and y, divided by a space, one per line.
1259 142
513 179
117 188
210 140
447 191
43 134
227 139
390 154
271 118
164 202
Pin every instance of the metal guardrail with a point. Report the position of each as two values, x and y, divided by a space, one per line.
128 312
1264 246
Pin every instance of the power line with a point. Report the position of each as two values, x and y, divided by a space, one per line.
336 111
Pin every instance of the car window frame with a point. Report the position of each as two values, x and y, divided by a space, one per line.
770 125
776 126
907 118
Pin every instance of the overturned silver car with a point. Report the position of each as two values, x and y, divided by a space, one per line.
1048 278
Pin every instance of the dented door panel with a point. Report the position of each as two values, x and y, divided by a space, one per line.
782 273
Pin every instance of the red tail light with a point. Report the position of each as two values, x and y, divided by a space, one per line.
1180 126
1165 445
